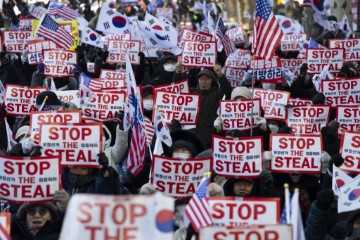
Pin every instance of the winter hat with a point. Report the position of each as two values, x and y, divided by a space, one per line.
319 98
21 214
183 144
146 90
207 72
22 131
241 92
147 189
52 100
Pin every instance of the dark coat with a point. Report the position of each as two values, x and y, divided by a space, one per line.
50 231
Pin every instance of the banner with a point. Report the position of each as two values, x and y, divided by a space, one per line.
293 64
15 41
77 144
59 63
296 153
236 35
239 59
349 150
119 49
238 157
95 217
235 76
341 92
317 59
199 54
20 100
183 108
113 74
29 180
267 70
178 177
292 42
35 50
348 117
300 102
351 46
5 223
192 35
176 87
273 103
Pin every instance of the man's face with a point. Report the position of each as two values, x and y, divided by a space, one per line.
205 82
243 188
37 216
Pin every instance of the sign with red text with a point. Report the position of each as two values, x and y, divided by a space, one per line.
267 70
351 46
236 35
178 177
307 119
77 144
300 102
235 76
29 180
165 12
261 232
232 211
137 217
111 83
67 96
26 24
341 92
15 41
119 49
182 107
113 74
20 100
199 54
348 117
349 150
239 114
59 63
317 59
273 102
293 64
292 42
121 37
35 50
296 152
192 35
238 157
90 67
238 59
5 223
176 87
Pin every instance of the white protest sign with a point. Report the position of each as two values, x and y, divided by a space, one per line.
108 84
348 117
235 76
273 102
351 46
15 41
267 70
20 100
178 177
192 35
90 67
113 74
238 157
239 59
296 152
232 211
37 11
72 96
165 12
299 102
341 92
35 50
236 35
317 59
199 54
5 223
182 107
293 64
349 149
29 180
237 114
176 87
26 24
119 49
94 217
292 42
59 63
77 144
121 37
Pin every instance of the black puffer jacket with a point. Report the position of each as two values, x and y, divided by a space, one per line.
50 231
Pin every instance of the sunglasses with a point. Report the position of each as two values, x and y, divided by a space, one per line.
32 211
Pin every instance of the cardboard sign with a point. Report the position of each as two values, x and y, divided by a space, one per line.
119 49
238 157
307 119
176 177
199 54
15 41
29 180
77 144
349 149
239 59
267 70
5 223
232 211
273 102
72 96
317 59
236 35
177 87
300 102
182 107
351 46
20 100
341 92
348 117
260 232
293 64
103 106
165 12
35 50
235 76
300 153
192 35
90 67
113 74
59 63
292 42
237 114
138 217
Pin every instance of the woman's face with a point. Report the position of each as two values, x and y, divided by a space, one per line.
36 216
181 153
243 188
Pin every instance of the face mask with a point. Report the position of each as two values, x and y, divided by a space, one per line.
181 155
169 67
274 128
148 104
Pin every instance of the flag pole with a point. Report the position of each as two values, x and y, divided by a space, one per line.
252 102
287 202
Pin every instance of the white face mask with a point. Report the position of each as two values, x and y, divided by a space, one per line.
183 156
148 104
273 128
169 67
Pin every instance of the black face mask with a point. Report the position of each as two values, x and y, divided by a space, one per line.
78 180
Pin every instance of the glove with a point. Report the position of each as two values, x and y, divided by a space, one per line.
334 125
62 199
267 159
261 122
337 159
325 161
77 69
36 151
27 145
178 67
324 199
303 69
24 56
16 150
218 124
266 179
103 159
40 68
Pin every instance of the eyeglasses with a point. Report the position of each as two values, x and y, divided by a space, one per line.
32 211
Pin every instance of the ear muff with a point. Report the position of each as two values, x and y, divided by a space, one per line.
106 142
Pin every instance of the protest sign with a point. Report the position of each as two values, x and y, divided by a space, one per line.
307 119
5 224
182 107
296 152
317 59
293 64
35 50
29 180
247 232
237 114
238 157
20 100
165 12
292 42
267 70
192 35
177 87
199 54
348 117
111 83
236 35
37 11
113 74
140 217
121 37
235 76
300 102
26 24
59 63
119 49
341 92
231 211
351 46
15 41
90 67
273 102
67 96
239 59
178 177
349 149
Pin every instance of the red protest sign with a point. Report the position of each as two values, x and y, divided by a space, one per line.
239 59
237 114
15 41
119 49
232 211
192 35
199 54
273 102
20 100
307 119
341 92
293 64
267 70
59 63
77 144
299 102
351 46
349 150
177 87
238 157
348 117
182 107
72 96
317 59
113 74
5 224
236 35
176 177
29 180
300 152
292 42
235 76
35 50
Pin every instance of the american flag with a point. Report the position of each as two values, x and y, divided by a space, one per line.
198 209
90 83
149 130
267 32
227 43
63 11
14 27
50 30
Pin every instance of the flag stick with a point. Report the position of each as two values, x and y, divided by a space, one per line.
287 202
252 102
